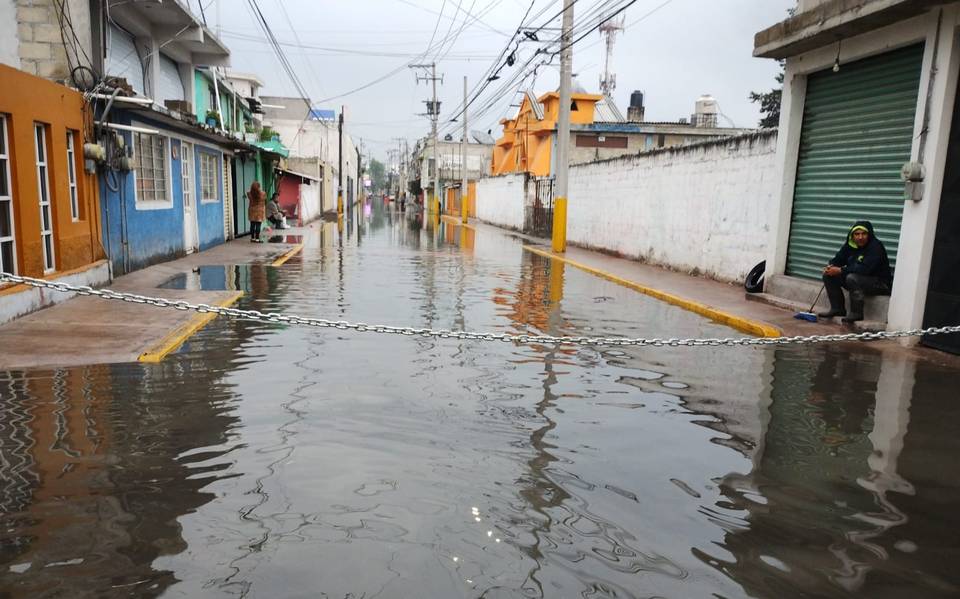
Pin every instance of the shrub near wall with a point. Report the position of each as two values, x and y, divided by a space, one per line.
700 208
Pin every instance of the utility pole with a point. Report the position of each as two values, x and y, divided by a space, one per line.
340 168
463 158
399 141
563 131
434 113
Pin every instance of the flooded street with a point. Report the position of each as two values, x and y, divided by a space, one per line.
262 460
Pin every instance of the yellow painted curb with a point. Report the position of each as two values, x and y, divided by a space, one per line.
456 221
175 338
290 254
753 327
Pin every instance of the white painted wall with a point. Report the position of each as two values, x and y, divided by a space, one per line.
31 299
500 200
310 207
700 208
9 41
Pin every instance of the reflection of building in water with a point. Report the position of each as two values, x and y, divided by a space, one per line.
95 478
530 304
831 505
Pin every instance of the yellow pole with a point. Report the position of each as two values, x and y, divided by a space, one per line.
340 204
463 205
560 225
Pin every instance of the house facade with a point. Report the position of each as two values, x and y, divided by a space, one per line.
162 179
313 137
49 201
598 130
868 130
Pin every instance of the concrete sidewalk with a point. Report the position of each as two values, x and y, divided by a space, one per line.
725 303
89 330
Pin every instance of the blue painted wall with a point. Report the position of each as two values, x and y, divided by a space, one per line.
136 238
209 215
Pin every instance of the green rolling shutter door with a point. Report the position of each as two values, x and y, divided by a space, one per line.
857 132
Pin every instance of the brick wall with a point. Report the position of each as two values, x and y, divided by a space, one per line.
41 49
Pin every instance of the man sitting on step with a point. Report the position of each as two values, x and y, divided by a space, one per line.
862 267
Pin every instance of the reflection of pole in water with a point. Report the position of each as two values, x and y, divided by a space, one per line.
557 268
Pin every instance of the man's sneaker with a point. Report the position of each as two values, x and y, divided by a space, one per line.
832 313
852 318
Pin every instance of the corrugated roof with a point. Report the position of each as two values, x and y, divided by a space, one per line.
607 112
535 104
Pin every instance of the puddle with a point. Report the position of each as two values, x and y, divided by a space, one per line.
294 239
208 278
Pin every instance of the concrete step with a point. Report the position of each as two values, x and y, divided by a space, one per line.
803 291
866 325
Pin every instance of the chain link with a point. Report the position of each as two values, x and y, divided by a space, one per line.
466 335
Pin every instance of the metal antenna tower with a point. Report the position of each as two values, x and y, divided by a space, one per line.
609 29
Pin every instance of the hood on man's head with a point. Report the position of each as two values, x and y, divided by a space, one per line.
864 225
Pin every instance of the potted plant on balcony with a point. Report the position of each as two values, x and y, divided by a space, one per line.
213 119
267 134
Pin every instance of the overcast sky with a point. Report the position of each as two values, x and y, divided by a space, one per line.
673 50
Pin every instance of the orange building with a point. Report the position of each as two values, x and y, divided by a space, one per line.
527 142
49 206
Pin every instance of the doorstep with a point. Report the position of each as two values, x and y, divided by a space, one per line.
796 294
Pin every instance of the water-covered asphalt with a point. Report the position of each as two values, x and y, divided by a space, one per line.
267 461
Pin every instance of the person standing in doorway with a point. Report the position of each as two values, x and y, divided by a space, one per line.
256 210
862 267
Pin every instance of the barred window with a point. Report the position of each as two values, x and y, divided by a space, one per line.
72 176
8 254
150 154
208 178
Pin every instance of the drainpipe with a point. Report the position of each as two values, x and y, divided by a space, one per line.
124 238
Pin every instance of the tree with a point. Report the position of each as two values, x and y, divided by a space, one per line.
378 174
770 102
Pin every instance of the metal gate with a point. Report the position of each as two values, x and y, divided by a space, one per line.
857 131
540 212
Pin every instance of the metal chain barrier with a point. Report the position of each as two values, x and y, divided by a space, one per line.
468 335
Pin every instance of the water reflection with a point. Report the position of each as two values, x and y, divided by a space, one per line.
266 460
832 506
95 474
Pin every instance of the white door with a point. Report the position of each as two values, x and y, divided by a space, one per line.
190 239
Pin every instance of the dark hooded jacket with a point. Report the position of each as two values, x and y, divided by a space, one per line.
870 260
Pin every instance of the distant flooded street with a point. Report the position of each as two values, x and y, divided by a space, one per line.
262 460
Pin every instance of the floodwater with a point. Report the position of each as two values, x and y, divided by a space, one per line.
268 461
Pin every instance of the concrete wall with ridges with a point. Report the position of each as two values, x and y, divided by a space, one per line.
701 208
500 200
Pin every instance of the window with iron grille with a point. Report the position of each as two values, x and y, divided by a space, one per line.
208 178
43 193
150 159
72 176
8 254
